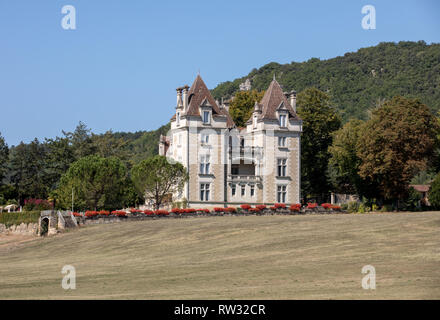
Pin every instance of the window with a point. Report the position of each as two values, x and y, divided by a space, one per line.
281 141
243 190
242 142
282 120
252 190
205 138
281 194
282 166
178 118
204 164
206 118
255 121
204 191
233 190
234 171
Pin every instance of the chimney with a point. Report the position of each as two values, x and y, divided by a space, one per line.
293 100
185 97
179 98
225 104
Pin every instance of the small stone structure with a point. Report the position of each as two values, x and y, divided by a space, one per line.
51 222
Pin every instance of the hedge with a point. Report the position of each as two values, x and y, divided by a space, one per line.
11 218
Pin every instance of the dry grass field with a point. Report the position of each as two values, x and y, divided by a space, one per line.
250 257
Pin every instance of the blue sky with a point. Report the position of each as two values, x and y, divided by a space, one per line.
119 69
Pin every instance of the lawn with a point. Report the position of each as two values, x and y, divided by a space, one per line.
249 257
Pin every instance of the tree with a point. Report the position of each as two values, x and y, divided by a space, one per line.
243 104
434 192
4 154
344 162
108 145
81 141
156 179
397 143
319 121
97 183
60 155
27 170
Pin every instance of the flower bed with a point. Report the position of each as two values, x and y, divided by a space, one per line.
326 206
245 207
280 206
161 212
312 205
296 207
230 210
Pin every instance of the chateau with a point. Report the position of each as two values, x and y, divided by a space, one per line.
227 165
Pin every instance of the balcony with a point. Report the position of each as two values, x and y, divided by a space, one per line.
244 178
248 152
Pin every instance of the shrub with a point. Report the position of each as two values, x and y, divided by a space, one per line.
280 206
386 208
219 209
311 205
104 213
272 208
254 210
260 207
90 214
230 210
176 210
148 212
295 207
353 206
11 218
77 214
119 213
336 208
36 205
190 210
326 206
161 212
245 206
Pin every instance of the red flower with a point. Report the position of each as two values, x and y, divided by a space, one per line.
336 208
230 210
148 212
260 207
245 206
279 205
161 212
218 209
254 210
311 205
326 205
295 207
272 208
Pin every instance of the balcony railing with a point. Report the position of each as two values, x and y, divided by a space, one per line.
243 178
246 151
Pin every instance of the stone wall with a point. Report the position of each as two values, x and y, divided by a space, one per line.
30 229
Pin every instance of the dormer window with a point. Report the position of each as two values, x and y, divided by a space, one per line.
283 120
206 117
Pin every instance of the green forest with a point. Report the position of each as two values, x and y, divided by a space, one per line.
357 81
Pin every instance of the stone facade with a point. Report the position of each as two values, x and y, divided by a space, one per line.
257 164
